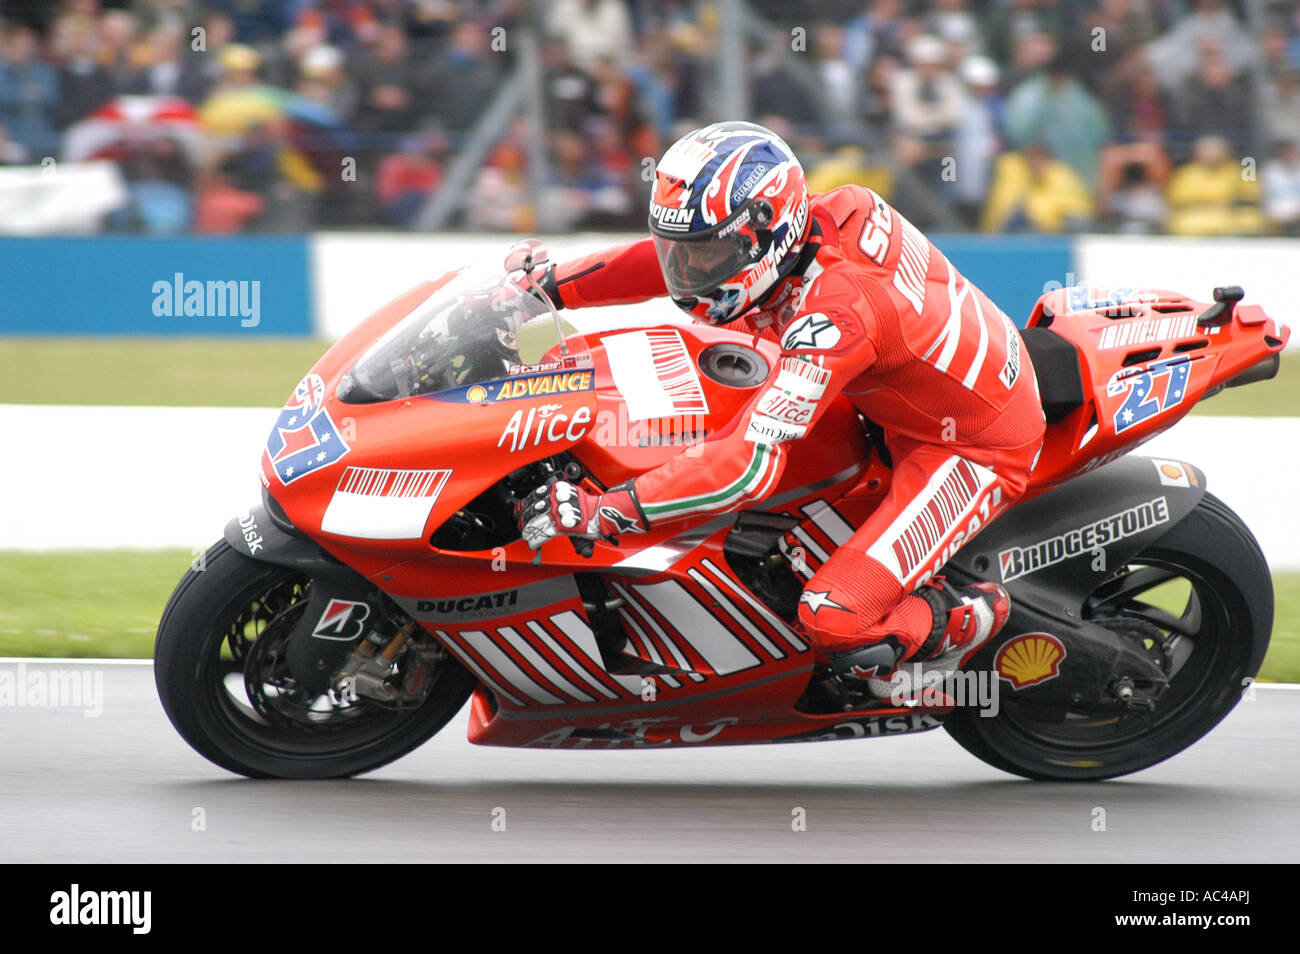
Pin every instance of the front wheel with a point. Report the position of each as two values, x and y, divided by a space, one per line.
220 672
1200 602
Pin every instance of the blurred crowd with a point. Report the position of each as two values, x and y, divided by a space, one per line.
1142 116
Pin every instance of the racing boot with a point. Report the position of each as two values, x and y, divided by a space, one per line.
964 619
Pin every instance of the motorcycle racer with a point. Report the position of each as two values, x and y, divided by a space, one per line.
862 304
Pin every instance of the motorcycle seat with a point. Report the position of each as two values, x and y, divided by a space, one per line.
1056 365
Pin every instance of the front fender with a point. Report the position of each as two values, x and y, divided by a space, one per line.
341 603
1056 549
255 534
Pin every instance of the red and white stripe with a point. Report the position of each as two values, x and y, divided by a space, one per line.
384 482
918 534
655 374
676 372
538 665
583 672
378 503
775 622
912 266
648 628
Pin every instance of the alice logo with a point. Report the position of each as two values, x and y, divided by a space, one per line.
212 299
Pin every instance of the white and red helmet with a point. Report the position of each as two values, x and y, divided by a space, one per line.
729 216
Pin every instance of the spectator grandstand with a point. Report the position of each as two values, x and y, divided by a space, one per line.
1141 116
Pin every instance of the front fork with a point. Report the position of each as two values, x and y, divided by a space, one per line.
366 672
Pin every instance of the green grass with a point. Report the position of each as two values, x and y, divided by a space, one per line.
190 372
1279 397
219 372
1282 664
83 603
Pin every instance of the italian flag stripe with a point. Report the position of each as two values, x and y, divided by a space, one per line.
759 464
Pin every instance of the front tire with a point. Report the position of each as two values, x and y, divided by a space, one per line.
215 632
1218 643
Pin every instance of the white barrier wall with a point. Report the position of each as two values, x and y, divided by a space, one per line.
178 474
1266 268
355 274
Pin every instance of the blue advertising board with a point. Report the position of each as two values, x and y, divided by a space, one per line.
262 285
1011 270
137 285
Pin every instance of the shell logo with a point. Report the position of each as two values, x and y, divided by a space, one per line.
1171 471
1029 659
476 395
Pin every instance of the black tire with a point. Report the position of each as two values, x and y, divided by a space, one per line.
1230 606
203 631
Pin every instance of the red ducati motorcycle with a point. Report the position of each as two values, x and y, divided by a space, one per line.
382 581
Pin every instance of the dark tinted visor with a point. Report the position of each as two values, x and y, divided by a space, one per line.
697 267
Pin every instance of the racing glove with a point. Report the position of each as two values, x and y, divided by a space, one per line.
563 508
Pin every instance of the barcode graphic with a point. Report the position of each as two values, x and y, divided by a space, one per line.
673 368
818 376
934 520
383 482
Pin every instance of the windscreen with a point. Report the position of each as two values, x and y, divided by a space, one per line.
473 329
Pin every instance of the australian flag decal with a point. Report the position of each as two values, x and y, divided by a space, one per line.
304 439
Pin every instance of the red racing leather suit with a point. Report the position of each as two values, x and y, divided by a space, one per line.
875 312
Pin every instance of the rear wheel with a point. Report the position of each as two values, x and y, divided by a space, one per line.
1198 603
221 675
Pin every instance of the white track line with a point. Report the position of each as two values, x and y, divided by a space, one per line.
72 661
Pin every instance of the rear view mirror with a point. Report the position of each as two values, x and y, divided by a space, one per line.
525 255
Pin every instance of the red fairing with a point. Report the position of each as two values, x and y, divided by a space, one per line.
672 646
1145 361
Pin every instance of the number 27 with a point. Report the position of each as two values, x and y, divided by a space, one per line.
1142 402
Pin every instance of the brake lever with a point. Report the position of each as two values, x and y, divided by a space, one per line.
551 477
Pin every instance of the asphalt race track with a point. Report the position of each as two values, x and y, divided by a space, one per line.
122 786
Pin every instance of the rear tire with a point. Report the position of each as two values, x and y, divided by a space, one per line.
207 635
1228 619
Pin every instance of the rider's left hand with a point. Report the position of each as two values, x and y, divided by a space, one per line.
564 508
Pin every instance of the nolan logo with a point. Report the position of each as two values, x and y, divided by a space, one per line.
666 217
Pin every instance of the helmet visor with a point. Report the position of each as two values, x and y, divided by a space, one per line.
695 267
